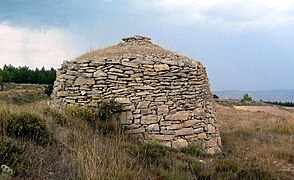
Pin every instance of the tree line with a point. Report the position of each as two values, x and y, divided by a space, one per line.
286 103
25 75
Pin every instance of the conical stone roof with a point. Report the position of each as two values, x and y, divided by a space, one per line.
136 46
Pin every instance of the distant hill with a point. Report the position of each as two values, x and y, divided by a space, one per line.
270 95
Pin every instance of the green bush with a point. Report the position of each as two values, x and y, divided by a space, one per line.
226 165
102 119
85 113
109 110
151 152
13 155
246 97
194 150
48 90
58 117
30 127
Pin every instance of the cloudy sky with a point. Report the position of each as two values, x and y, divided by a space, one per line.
245 44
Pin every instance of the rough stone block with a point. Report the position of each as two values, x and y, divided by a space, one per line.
84 81
161 67
143 104
210 129
123 100
202 136
153 127
184 131
149 119
138 130
99 73
190 123
126 117
175 126
161 137
179 143
162 109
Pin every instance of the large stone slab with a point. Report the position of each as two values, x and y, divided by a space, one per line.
161 137
143 104
84 81
179 143
184 131
161 67
123 100
149 119
99 73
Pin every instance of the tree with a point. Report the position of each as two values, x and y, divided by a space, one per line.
5 77
215 96
246 97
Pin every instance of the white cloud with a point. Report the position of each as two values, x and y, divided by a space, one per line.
230 13
34 48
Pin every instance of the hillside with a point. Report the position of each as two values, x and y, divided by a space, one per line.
253 140
270 95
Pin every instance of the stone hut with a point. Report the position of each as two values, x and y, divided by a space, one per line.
165 96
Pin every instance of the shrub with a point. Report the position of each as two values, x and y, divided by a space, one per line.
58 117
30 127
215 96
48 90
102 119
151 152
194 150
12 155
226 165
85 113
108 110
246 97
254 173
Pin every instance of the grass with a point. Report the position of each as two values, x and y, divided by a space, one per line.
256 145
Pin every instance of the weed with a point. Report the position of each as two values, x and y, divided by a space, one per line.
13 155
152 152
102 119
226 165
31 127
58 117
194 150
109 110
254 173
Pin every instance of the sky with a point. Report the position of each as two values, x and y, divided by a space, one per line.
245 44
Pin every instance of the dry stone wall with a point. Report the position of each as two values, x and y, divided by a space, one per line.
165 98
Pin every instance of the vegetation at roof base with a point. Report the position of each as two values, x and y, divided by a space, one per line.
30 127
286 103
12 154
246 97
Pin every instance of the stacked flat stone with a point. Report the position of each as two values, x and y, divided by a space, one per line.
165 97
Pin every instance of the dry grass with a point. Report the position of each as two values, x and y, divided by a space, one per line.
259 137
250 139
